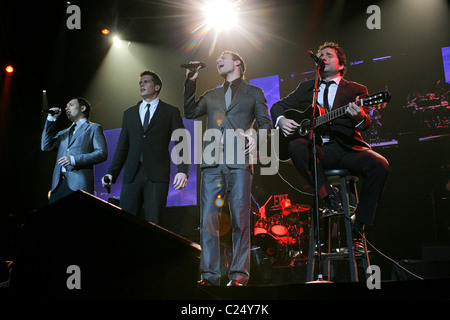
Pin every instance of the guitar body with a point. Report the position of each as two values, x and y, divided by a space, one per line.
305 119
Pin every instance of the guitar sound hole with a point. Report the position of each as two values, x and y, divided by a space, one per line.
304 127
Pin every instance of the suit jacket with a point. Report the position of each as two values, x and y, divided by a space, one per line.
153 144
342 129
88 147
248 104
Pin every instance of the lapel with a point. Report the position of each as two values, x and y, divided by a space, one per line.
220 95
135 117
340 94
242 90
159 110
77 132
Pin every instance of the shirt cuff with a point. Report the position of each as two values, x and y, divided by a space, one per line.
276 122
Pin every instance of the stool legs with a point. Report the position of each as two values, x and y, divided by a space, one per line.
348 229
311 251
345 195
365 256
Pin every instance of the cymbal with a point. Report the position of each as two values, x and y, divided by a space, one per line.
297 208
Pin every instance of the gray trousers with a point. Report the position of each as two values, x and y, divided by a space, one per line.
216 181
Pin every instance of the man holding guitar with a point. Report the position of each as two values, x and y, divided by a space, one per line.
343 111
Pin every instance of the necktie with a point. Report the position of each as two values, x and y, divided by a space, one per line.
146 117
325 95
228 96
71 130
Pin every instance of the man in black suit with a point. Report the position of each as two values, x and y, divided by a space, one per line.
143 148
343 146
231 110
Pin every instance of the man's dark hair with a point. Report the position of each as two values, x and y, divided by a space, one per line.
155 78
84 102
339 53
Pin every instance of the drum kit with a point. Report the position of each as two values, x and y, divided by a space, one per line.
284 236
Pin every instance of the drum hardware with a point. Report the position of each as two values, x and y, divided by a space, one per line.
282 236
296 208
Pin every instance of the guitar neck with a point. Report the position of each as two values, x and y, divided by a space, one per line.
334 114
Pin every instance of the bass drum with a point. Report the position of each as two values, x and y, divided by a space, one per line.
278 227
273 247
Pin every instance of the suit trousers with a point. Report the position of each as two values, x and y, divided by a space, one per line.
61 191
142 192
368 165
216 181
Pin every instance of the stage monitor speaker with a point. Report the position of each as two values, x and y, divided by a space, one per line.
84 247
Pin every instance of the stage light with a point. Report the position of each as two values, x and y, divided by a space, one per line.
9 69
220 15
116 39
105 31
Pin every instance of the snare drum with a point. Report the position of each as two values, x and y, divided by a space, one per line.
261 227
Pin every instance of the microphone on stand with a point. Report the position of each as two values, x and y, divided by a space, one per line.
193 65
316 59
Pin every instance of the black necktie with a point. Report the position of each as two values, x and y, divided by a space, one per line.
146 117
325 95
71 130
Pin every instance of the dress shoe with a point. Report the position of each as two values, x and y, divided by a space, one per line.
332 205
358 245
357 234
235 283
205 283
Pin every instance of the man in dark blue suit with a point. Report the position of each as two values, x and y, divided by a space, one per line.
143 148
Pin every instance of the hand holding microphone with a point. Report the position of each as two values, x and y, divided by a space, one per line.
192 69
106 182
55 112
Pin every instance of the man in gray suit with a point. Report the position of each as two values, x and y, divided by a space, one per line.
230 108
79 147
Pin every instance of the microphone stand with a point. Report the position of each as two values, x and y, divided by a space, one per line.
316 190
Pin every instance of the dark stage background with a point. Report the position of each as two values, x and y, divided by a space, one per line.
157 35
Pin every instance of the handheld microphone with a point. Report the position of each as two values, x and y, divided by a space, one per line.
193 65
51 112
108 187
316 59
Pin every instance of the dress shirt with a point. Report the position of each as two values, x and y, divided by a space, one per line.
143 109
332 89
